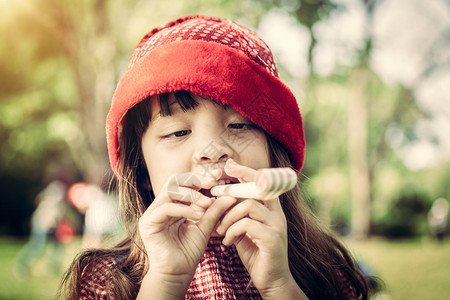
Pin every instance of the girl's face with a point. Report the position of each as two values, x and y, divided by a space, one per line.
199 140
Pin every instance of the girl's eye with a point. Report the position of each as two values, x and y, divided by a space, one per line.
239 126
179 133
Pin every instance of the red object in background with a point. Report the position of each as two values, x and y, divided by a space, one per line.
65 232
76 196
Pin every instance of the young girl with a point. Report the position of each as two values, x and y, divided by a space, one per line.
201 104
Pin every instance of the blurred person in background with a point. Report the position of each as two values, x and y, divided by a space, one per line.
51 223
101 214
438 218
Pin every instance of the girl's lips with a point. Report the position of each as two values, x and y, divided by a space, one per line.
229 180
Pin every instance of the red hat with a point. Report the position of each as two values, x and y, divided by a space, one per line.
216 58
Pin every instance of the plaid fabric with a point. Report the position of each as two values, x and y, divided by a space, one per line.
96 280
219 275
349 290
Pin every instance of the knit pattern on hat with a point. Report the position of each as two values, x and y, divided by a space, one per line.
208 29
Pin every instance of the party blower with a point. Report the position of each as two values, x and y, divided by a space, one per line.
269 183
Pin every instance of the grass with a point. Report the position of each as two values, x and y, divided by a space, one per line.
412 269
40 283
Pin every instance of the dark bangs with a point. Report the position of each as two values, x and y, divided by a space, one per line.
140 115
183 98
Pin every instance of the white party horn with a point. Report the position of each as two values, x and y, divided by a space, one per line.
269 184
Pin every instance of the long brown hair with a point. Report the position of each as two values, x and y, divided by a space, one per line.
318 261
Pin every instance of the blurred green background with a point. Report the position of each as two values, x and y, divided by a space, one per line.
372 78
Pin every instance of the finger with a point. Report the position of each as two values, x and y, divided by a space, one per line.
243 173
188 196
213 214
255 229
193 180
273 204
248 208
176 185
165 212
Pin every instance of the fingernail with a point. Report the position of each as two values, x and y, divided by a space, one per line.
230 163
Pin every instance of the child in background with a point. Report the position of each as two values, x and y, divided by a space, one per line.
101 215
201 104
47 220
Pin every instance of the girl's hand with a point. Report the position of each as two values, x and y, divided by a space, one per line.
259 231
175 230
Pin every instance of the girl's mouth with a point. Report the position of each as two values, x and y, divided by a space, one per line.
207 192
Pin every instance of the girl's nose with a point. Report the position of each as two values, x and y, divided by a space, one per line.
216 151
